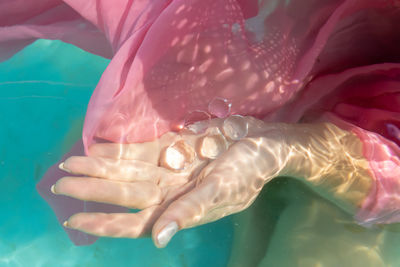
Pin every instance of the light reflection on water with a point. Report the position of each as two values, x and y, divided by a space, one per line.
287 226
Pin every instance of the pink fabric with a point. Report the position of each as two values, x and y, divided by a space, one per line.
383 203
365 100
22 22
278 60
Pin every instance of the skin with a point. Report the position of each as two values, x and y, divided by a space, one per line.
322 155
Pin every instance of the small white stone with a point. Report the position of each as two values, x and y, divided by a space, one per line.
174 158
212 146
177 156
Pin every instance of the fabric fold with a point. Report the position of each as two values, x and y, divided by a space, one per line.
284 61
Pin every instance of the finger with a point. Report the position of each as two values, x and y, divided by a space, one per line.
124 225
137 195
137 151
189 210
113 169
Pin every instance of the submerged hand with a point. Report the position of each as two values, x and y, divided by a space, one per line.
178 181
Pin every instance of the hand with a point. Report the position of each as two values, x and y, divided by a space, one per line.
187 180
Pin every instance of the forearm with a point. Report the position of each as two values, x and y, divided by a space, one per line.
332 161
324 156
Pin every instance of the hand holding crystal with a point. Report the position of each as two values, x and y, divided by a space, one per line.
207 171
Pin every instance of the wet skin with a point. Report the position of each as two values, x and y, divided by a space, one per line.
192 178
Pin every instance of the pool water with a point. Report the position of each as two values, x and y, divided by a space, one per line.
44 91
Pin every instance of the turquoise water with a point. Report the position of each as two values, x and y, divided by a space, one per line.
44 91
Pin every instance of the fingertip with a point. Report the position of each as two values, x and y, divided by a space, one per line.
64 186
70 164
185 212
76 220
76 164
59 187
63 168
169 223
165 234
53 189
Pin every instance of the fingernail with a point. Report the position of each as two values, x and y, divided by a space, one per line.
53 189
65 224
166 234
61 167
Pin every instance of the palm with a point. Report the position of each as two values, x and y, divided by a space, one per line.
172 183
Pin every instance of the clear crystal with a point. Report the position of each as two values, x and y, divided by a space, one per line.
235 127
220 107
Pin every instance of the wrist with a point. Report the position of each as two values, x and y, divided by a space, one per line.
270 141
330 160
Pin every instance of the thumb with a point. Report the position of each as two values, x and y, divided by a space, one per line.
185 212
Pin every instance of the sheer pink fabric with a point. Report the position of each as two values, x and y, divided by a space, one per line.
366 101
22 22
277 60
